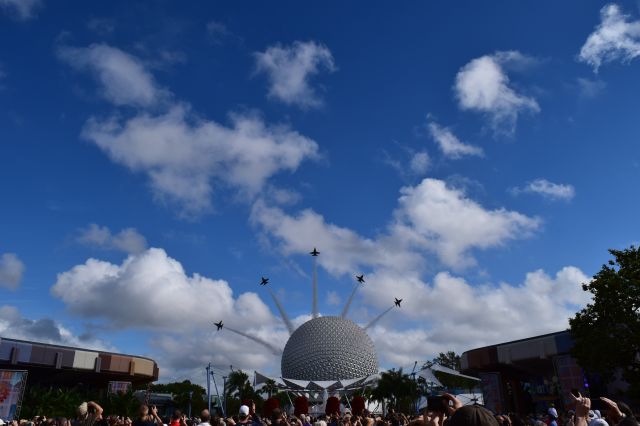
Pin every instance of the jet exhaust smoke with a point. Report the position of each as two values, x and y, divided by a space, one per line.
315 289
283 314
378 318
268 345
347 305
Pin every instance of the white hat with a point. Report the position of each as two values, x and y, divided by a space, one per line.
553 413
1 422
244 411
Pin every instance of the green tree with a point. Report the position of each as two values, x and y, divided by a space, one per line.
269 388
606 332
450 360
446 359
184 393
398 389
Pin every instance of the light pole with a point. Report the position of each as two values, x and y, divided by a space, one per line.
209 373
224 394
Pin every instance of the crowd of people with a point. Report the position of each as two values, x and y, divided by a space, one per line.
452 413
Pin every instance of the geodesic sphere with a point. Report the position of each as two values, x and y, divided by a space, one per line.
329 348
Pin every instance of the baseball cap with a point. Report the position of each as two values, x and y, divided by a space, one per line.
244 411
553 413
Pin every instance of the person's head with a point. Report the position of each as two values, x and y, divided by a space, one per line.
144 410
276 415
82 410
176 415
205 416
243 413
320 423
472 415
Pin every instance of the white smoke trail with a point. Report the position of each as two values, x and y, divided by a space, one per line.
268 345
283 314
315 288
347 305
378 318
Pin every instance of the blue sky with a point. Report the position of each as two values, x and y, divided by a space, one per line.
478 153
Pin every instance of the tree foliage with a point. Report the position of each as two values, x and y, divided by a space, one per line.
184 393
606 332
398 388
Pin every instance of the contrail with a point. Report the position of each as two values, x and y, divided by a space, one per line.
283 314
268 345
315 288
347 305
378 318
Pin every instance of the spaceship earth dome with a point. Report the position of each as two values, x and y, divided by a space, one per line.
329 348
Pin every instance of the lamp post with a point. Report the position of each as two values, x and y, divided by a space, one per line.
209 373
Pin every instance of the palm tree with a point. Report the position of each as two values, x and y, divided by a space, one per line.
397 388
238 384
270 387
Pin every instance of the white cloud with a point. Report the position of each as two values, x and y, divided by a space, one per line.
22 9
590 88
289 69
450 145
128 240
333 298
554 191
473 315
420 163
123 77
46 330
11 270
152 291
429 216
444 220
616 38
483 85
183 155
150 285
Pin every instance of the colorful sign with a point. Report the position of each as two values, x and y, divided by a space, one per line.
12 384
119 387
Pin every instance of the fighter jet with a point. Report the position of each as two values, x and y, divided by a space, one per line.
398 302
315 252
360 278
219 325
264 281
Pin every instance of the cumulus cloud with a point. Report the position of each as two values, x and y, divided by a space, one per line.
616 38
183 155
449 143
152 291
21 9
483 85
553 191
429 216
128 240
123 77
290 68
445 220
11 270
14 325
475 314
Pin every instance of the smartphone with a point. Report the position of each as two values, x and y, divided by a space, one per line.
437 403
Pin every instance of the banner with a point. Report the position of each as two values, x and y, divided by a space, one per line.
119 387
12 384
